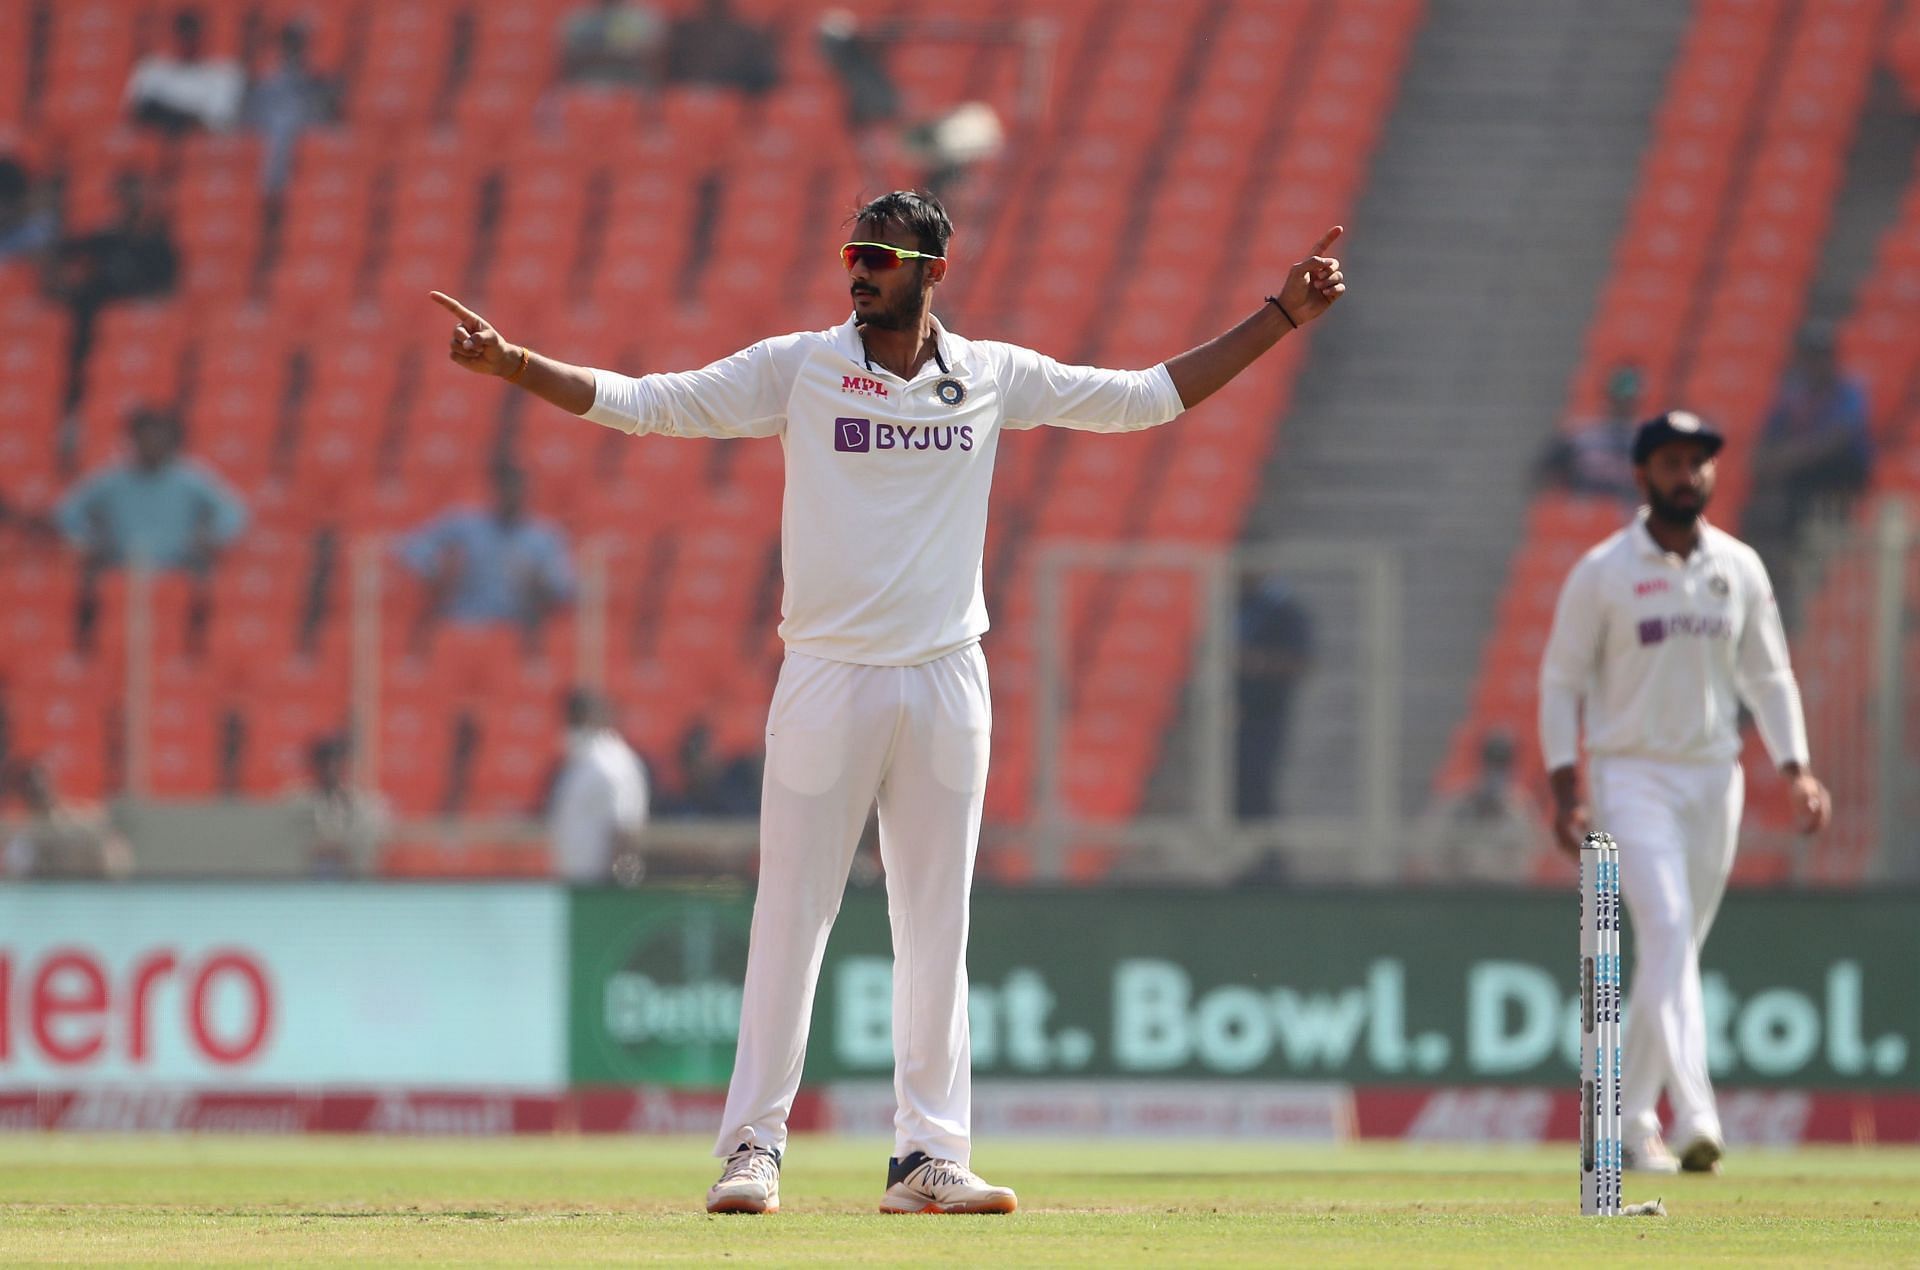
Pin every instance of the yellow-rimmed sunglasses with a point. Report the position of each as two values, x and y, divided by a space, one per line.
880 257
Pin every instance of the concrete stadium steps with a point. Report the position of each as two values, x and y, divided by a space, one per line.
1496 195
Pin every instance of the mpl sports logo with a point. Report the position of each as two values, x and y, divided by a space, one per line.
863 436
863 386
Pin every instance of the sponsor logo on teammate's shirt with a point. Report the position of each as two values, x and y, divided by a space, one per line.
862 385
863 436
1654 630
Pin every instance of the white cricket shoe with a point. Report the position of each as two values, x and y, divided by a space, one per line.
1702 1155
921 1184
1649 1155
749 1184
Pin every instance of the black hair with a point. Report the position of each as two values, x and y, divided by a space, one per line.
13 180
585 708
921 215
156 417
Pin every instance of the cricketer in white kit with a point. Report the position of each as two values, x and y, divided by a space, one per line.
889 423
1661 632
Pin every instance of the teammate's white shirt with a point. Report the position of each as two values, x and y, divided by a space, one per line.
1662 650
885 514
602 788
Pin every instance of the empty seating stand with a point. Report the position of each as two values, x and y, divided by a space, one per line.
310 370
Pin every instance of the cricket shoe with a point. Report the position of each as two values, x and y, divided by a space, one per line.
921 1184
1649 1155
749 1184
1702 1155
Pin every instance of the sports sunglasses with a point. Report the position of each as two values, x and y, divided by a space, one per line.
881 256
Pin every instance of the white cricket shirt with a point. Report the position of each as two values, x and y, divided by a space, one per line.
602 789
884 519
1662 651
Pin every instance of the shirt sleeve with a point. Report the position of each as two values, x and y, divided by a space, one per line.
630 798
1566 667
421 549
580 826
556 566
1038 390
227 87
138 82
1853 417
227 514
1765 677
71 515
744 395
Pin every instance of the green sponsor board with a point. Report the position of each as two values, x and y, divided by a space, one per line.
1455 987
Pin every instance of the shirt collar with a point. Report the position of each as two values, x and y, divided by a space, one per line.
951 348
1644 541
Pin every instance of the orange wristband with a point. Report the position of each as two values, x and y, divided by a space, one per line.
526 356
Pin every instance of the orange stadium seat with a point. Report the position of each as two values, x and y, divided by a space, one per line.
386 205
90 58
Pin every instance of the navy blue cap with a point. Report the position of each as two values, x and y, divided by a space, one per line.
1675 425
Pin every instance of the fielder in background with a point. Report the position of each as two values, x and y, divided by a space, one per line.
1661 632
889 423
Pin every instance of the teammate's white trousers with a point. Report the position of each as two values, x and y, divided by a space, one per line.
1677 825
838 736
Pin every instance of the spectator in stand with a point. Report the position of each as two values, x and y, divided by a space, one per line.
943 146
492 565
184 91
345 826
29 226
132 258
712 46
1488 832
1276 651
58 840
285 102
1595 457
711 785
599 807
159 509
858 60
1815 453
617 43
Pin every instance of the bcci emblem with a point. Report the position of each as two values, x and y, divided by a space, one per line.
1719 586
951 391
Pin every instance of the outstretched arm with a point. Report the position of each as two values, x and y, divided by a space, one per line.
1312 285
477 346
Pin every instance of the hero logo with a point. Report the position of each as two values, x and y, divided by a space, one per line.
863 386
863 436
1652 586
68 1008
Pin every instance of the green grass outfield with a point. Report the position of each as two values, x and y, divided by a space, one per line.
571 1200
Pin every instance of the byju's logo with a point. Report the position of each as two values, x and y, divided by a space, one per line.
862 436
852 436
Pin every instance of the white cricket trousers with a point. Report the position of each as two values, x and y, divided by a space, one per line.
840 736
1677 825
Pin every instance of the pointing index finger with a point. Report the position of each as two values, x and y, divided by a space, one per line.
1326 240
454 307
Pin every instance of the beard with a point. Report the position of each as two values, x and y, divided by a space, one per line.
903 314
1674 513
887 319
